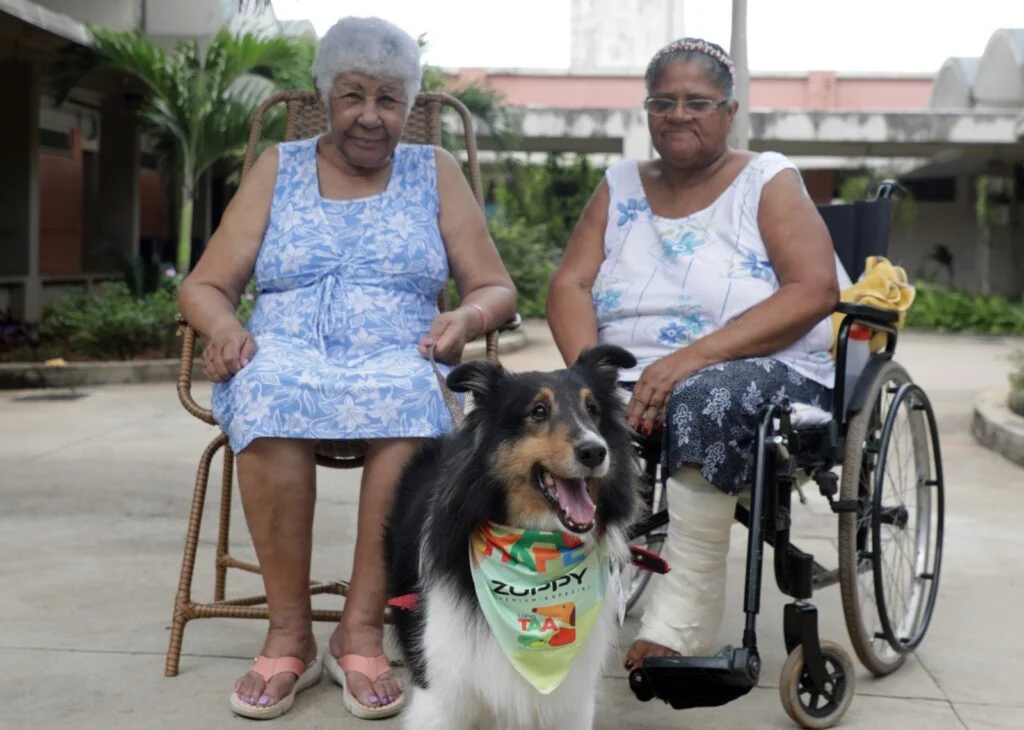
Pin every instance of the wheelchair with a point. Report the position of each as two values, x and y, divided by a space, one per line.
816 685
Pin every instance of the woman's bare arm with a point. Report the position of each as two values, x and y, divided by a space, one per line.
570 307
210 293
800 250
479 273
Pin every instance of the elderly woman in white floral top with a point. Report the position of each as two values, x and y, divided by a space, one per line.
713 267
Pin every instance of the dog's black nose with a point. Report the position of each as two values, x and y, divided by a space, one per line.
591 454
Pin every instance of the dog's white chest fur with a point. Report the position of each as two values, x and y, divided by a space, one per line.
473 685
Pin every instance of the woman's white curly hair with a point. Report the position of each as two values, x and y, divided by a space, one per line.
370 46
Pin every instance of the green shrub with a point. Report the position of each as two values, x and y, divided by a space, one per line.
948 310
552 195
113 323
530 258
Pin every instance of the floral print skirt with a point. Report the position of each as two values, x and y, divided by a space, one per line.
712 418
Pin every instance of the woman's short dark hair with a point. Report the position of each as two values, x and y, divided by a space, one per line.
711 55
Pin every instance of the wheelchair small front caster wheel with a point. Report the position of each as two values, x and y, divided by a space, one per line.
641 685
803 702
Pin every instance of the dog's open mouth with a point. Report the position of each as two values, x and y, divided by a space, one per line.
570 499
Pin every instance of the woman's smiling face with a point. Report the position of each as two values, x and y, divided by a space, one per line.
368 117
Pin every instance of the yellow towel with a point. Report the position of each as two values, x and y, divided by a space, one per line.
882 285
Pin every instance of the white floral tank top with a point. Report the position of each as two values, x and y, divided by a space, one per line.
665 283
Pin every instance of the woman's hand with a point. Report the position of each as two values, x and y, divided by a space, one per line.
449 333
230 349
650 394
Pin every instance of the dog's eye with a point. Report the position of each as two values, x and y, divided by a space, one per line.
592 410
539 412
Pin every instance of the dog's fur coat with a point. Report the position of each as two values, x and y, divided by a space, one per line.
487 469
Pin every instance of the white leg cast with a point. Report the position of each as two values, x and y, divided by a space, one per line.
686 606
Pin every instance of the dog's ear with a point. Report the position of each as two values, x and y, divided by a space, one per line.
479 377
605 361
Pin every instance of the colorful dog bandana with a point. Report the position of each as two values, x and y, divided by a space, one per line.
541 593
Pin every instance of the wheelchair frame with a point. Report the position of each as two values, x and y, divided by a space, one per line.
816 668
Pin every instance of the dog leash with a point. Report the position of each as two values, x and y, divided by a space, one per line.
449 397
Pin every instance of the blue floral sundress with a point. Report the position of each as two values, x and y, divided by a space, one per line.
345 291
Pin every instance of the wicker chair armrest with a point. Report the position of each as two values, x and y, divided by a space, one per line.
188 356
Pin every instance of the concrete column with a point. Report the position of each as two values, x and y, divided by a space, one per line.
19 185
119 162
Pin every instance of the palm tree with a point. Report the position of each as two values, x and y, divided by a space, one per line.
199 105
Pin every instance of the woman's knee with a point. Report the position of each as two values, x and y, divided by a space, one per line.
276 459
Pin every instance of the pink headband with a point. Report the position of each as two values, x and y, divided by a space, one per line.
695 45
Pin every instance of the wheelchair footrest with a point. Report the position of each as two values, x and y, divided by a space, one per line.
685 682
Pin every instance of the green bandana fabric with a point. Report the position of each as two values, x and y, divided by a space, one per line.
541 594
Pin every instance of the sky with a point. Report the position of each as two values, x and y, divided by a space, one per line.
901 36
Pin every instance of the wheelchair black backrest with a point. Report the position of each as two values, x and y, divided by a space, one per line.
858 230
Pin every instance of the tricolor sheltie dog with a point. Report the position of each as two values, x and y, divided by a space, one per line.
546 452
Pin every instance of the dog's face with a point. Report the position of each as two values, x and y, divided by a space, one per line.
556 444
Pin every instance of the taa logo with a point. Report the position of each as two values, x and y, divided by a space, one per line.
548 626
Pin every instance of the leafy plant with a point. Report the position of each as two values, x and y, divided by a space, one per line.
113 323
551 195
530 259
954 311
199 104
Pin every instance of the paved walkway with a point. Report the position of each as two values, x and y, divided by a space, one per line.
95 495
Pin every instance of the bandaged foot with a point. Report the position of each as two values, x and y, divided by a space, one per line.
686 606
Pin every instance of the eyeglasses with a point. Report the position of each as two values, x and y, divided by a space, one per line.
658 106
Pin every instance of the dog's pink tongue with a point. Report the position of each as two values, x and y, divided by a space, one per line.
575 500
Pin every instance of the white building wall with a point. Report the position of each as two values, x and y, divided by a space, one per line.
117 14
622 34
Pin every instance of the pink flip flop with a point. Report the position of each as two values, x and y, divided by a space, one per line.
372 669
269 668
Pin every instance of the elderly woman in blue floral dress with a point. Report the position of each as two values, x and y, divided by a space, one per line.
351 236
713 267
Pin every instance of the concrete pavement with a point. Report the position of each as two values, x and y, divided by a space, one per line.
95 496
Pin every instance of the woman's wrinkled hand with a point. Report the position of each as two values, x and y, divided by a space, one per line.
230 349
646 408
449 333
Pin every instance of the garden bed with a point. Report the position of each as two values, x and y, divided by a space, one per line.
996 427
88 372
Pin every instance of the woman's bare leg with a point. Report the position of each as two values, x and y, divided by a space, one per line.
361 630
277 480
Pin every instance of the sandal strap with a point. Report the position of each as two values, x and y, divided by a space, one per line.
370 668
268 667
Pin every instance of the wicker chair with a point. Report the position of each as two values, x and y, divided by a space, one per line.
305 118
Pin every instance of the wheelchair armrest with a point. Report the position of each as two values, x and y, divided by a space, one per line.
868 314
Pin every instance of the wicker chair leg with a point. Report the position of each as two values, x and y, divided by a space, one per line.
183 599
220 584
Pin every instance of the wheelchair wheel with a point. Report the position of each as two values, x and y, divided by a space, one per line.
890 549
802 702
634 579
